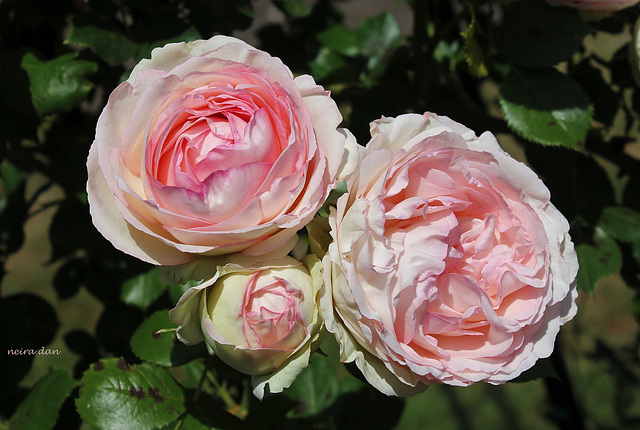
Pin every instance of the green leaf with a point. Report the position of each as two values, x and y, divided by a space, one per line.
155 341
116 395
143 289
295 8
546 106
58 85
39 410
535 34
12 177
177 290
320 385
334 195
450 51
187 423
377 39
378 34
475 50
340 39
319 236
325 63
148 345
597 261
622 223
110 45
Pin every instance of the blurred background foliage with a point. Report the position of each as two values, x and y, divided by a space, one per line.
558 91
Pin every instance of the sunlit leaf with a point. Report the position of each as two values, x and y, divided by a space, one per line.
115 395
155 341
474 50
546 106
177 290
296 8
340 39
449 51
377 39
149 345
143 289
325 63
58 85
621 223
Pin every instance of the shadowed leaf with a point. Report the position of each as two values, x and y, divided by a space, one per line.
39 411
597 261
110 45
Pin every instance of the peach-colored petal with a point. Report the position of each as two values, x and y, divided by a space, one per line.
212 147
108 220
449 263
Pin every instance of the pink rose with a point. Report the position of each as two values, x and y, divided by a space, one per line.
260 317
212 147
596 5
448 263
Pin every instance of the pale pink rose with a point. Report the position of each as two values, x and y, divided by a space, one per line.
261 318
595 5
212 147
448 264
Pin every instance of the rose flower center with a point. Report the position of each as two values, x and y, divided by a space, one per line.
479 255
271 312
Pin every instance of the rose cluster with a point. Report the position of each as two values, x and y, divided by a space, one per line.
446 263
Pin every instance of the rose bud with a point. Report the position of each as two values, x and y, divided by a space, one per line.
261 318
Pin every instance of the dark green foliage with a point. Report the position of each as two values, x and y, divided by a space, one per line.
537 35
39 411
